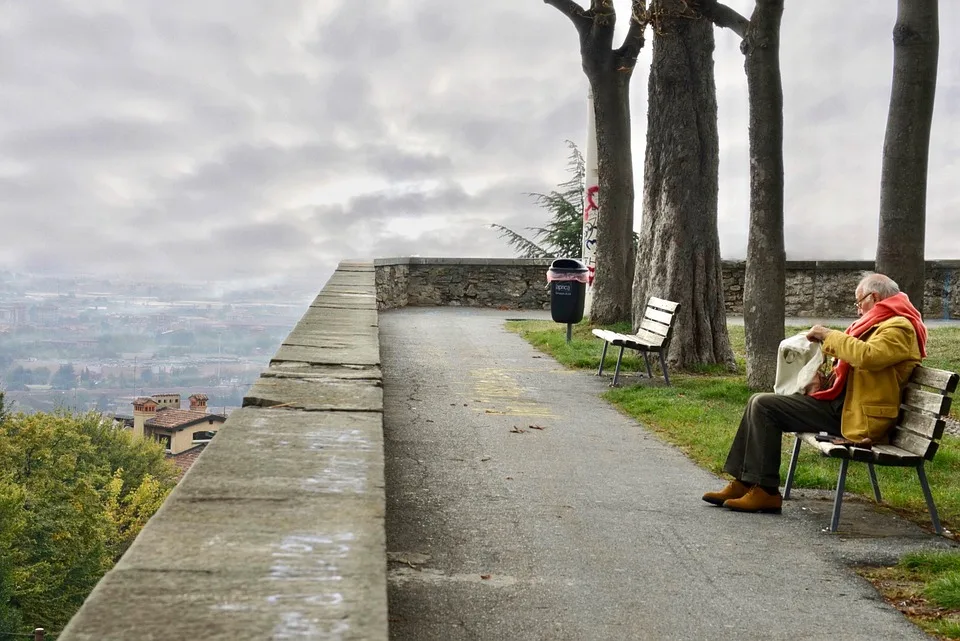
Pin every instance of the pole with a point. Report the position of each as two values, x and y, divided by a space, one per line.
591 202
38 634
569 331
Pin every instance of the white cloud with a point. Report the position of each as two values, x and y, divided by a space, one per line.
222 140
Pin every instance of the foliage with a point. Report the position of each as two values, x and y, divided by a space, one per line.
65 377
563 235
925 586
74 492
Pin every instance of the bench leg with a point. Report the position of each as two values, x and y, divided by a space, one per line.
873 482
838 499
929 497
647 361
663 366
792 469
603 356
616 373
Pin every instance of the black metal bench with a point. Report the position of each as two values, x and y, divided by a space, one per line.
653 337
914 439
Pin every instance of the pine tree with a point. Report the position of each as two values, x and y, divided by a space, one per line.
563 235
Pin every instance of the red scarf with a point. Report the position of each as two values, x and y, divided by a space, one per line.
896 305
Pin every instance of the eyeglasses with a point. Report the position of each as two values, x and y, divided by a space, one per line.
860 300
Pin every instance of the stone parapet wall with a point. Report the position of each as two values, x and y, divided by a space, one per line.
824 289
277 531
818 289
468 282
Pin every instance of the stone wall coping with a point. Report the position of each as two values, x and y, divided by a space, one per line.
865 265
277 531
420 260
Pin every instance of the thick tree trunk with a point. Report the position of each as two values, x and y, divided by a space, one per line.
764 280
903 179
679 257
613 287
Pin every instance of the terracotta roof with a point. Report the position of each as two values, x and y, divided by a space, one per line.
170 418
143 399
200 397
186 458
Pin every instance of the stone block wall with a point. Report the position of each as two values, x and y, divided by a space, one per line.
817 289
823 289
468 282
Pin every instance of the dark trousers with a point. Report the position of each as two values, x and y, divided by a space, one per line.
755 454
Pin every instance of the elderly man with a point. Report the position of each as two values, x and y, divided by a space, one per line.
860 400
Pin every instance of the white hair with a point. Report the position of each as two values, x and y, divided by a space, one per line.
879 284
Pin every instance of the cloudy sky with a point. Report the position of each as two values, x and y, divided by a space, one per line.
242 139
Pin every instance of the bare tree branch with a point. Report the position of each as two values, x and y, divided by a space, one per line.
723 16
576 13
633 43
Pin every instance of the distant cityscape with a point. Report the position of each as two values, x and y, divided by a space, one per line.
86 343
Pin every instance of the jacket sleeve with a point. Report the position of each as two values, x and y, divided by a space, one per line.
885 347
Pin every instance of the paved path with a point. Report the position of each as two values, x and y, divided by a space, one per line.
590 528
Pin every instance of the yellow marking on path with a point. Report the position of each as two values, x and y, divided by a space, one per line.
498 388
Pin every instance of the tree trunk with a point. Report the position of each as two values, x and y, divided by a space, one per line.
903 179
679 257
609 71
614 276
764 280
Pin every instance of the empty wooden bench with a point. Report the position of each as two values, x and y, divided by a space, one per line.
914 439
653 337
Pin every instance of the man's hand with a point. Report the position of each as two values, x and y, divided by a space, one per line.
818 333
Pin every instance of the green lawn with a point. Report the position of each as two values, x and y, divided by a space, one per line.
700 411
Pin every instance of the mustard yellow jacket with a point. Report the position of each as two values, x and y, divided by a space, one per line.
882 360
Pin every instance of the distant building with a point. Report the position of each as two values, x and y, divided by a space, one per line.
160 418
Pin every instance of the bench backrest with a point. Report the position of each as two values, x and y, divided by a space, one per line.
925 405
656 326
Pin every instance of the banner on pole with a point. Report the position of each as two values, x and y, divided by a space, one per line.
591 202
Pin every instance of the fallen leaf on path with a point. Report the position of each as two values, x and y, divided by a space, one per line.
517 430
485 458
537 427
485 576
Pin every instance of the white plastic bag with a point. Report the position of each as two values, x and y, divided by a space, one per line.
797 363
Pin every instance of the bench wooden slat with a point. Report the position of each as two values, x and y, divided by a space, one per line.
645 339
940 379
922 424
661 303
893 455
605 334
911 442
655 327
663 317
926 401
826 448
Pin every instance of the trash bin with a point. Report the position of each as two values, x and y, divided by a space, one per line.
567 279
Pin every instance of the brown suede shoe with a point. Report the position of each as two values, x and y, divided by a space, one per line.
756 500
734 490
